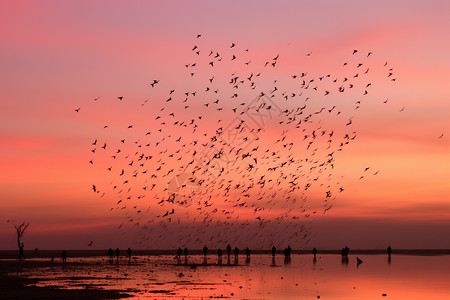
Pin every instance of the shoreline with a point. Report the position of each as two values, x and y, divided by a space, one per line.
33 254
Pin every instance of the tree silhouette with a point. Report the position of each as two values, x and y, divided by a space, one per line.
20 231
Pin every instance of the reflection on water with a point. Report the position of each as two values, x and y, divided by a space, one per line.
264 277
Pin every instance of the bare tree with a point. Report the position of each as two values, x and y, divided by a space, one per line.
20 231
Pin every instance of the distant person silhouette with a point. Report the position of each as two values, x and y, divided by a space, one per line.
344 251
289 250
64 256
236 254
229 250
129 255
287 256
111 254
274 250
314 251
117 252
247 253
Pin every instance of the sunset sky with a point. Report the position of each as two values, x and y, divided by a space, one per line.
58 56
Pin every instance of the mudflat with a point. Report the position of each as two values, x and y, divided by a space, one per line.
18 287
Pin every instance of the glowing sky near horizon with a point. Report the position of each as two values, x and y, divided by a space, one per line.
58 56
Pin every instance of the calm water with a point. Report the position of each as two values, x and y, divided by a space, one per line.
157 277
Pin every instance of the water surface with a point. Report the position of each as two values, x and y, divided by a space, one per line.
327 277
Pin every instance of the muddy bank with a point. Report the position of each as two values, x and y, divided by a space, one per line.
16 287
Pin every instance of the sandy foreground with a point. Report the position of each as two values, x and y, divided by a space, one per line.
16 287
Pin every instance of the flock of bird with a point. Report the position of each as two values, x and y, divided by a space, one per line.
244 157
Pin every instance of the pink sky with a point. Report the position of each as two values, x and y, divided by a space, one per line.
57 56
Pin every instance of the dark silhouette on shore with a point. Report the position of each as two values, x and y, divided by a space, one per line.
178 256
247 253
129 255
64 256
21 254
236 255
117 252
314 252
20 230
111 255
229 250
205 255
287 256
345 251
274 250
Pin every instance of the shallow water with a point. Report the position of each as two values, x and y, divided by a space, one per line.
159 277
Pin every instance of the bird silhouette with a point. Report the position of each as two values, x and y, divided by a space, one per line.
358 261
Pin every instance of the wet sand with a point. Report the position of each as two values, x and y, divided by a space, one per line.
18 287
